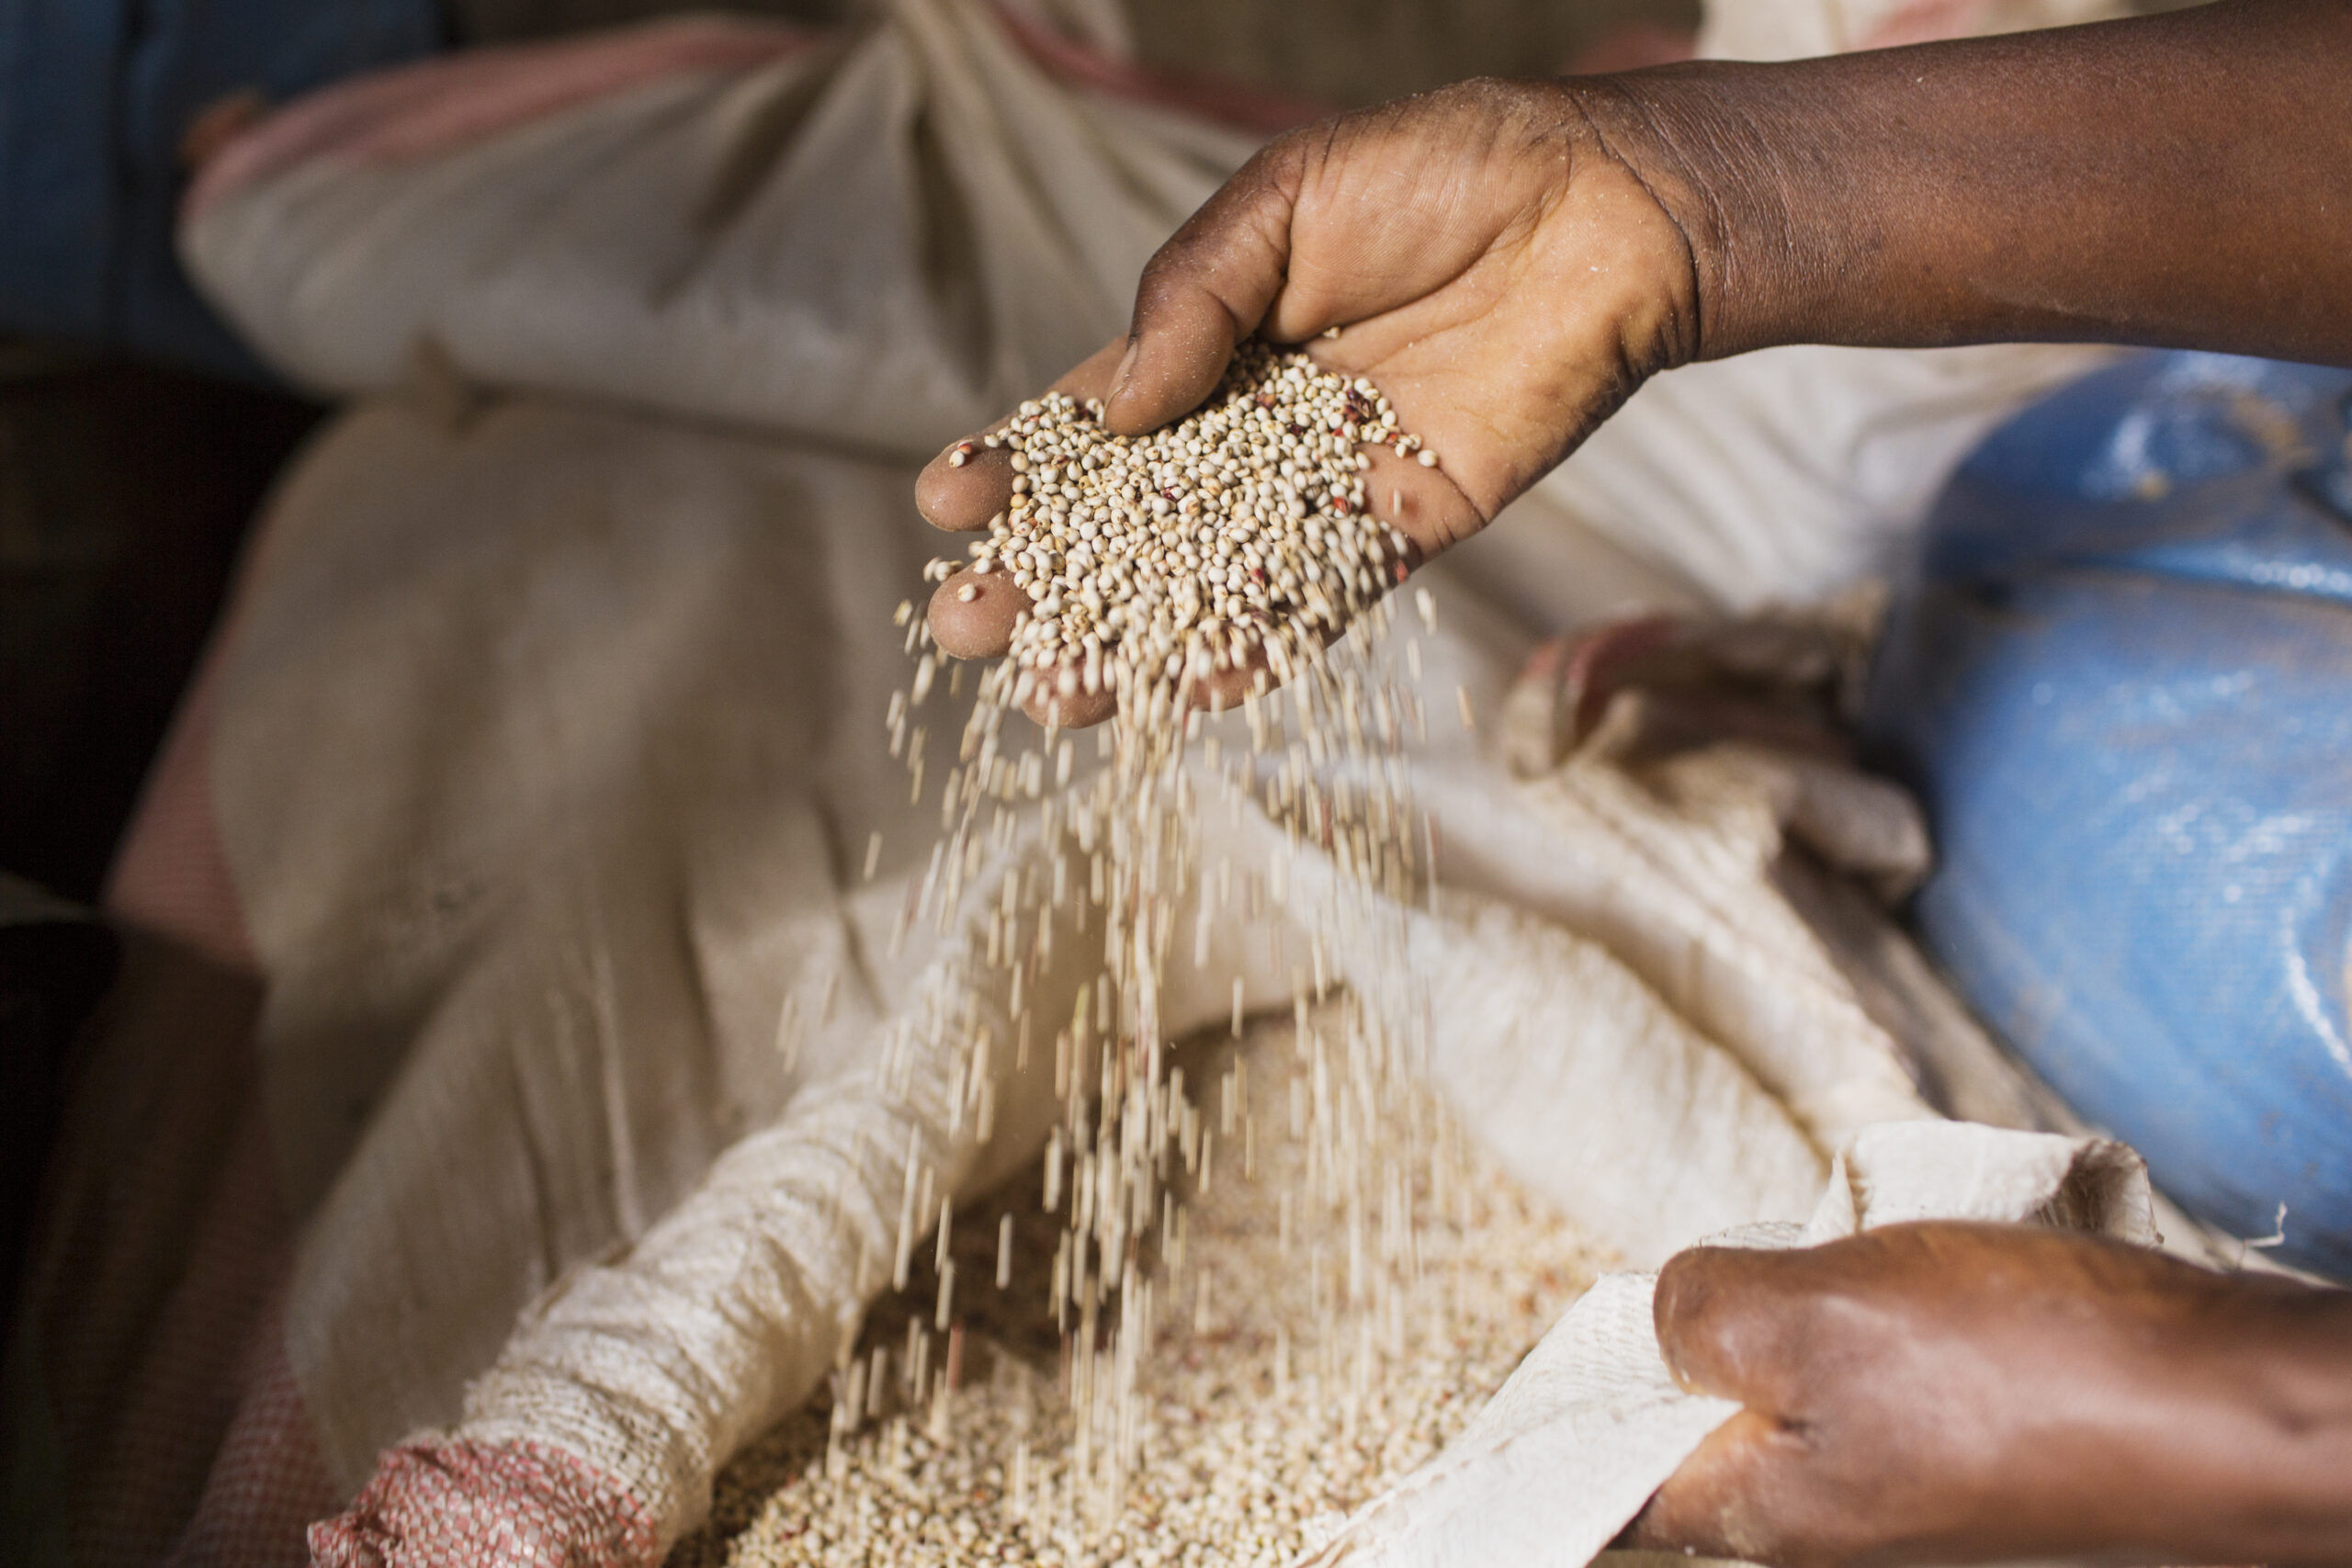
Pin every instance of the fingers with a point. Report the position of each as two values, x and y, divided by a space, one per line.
962 497
1421 502
1736 1498
1762 1488
1059 693
1224 688
1734 1323
971 617
1207 287
1058 696
972 613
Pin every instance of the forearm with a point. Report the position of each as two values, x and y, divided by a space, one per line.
2183 180
2246 1451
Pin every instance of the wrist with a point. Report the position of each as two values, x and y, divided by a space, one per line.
1694 137
2245 1447
2290 1356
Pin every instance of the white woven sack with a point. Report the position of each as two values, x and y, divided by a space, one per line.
883 241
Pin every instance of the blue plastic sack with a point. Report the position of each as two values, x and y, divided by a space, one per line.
2123 688
95 98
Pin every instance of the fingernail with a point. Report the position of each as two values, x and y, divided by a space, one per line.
1126 369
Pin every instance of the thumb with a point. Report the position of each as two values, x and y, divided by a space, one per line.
1208 287
1737 1322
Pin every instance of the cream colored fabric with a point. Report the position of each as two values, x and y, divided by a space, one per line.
1794 29
1591 1424
883 241
1777 476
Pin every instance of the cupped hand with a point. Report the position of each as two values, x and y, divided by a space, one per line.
1952 1393
1500 264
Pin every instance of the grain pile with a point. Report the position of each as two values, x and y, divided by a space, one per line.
1266 1416
1220 558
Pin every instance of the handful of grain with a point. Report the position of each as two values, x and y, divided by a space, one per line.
1175 571
1232 541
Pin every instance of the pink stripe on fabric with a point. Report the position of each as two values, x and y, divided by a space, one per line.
1592 667
410 111
170 876
445 1504
1633 46
269 1482
1208 97
1925 21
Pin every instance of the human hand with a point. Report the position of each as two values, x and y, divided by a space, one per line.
1502 264
1955 1393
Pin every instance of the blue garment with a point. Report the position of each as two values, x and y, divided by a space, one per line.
95 96
2123 689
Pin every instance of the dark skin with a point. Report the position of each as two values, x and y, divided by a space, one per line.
1975 1393
1509 261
